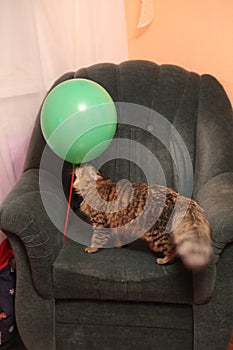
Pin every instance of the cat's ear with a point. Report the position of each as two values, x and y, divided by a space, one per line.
93 172
96 175
99 175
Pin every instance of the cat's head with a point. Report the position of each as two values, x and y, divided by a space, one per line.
88 172
86 176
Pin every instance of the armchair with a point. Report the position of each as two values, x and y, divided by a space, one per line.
119 298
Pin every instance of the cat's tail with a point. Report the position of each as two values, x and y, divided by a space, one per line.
191 235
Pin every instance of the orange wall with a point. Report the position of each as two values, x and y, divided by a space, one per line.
195 34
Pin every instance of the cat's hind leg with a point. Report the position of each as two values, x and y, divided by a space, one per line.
168 259
168 249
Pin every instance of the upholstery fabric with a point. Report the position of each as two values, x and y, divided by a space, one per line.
126 274
130 325
119 298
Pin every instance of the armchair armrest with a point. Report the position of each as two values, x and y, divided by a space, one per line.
23 214
216 198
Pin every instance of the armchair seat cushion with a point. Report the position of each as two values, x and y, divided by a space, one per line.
126 274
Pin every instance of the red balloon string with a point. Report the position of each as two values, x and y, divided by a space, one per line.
68 207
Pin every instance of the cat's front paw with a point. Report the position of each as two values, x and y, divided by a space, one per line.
91 250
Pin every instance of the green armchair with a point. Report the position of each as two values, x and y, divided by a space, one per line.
119 298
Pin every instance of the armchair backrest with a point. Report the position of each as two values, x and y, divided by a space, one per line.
197 106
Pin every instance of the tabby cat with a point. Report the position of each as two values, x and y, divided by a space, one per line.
172 224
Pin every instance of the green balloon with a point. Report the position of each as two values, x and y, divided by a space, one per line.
78 120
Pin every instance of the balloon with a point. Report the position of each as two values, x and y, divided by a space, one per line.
78 120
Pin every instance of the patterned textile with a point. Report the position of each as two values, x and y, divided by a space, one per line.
7 293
